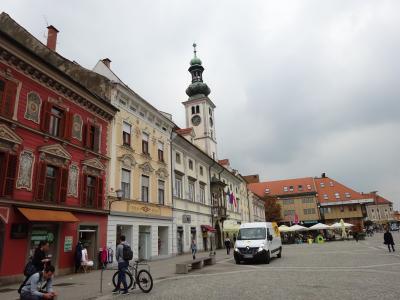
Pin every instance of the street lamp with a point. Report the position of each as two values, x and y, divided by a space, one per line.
119 194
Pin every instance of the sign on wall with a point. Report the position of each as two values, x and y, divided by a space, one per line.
186 218
68 243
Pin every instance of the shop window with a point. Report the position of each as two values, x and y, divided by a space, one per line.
56 121
92 191
126 183
145 188
126 134
8 93
92 137
145 143
160 152
52 183
161 192
8 172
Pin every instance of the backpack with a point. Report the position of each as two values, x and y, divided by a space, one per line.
26 280
127 253
29 268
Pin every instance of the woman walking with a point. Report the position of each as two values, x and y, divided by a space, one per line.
388 239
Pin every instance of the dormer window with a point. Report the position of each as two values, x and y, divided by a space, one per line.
300 187
337 196
267 191
325 197
285 189
322 184
291 188
347 195
331 183
308 187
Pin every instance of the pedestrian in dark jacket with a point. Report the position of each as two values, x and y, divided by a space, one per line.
388 240
39 257
227 243
78 256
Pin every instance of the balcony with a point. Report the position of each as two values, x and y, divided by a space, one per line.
219 212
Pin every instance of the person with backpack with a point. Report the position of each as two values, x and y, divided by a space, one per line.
123 255
39 257
39 285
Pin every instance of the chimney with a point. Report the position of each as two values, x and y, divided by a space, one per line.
323 175
52 37
107 62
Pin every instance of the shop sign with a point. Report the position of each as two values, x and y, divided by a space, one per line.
144 209
68 243
19 231
186 219
42 235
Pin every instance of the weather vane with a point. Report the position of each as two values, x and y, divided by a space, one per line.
194 49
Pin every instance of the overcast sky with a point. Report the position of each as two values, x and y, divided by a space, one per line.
301 87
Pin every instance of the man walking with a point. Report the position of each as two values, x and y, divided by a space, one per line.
227 243
123 255
388 239
39 285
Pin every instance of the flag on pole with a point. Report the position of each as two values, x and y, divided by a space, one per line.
229 197
234 200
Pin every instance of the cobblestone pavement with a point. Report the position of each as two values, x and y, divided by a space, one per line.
336 270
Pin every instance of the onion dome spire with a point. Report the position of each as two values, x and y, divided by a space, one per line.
197 87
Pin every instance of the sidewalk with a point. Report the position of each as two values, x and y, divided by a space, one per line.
87 285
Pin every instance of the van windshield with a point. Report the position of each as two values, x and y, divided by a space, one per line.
251 234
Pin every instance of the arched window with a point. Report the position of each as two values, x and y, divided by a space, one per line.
193 110
197 109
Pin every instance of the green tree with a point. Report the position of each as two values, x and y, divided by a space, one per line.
272 210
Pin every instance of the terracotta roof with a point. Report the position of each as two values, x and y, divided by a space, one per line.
184 131
224 162
283 187
330 190
252 178
377 199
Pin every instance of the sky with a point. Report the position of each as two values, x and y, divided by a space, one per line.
301 87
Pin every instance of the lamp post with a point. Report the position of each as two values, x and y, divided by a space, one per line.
119 193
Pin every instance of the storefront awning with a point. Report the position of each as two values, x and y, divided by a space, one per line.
43 215
208 228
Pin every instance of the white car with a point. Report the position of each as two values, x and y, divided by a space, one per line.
258 241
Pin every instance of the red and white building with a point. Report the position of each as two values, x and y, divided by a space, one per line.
54 122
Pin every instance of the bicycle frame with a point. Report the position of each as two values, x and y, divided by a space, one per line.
134 269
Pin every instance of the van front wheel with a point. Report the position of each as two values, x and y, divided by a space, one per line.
237 261
280 253
267 258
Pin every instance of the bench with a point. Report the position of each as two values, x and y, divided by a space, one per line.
183 267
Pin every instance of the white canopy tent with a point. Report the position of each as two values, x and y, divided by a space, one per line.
284 228
320 226
337 225
297 228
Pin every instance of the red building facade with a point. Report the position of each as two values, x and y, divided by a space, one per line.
54 122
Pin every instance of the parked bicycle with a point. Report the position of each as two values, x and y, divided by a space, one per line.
134 276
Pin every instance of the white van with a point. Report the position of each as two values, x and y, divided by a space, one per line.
258 241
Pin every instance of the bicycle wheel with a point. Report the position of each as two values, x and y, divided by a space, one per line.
128 276
145 281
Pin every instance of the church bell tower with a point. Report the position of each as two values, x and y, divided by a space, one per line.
200 109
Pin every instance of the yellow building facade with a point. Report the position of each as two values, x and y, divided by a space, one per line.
139 181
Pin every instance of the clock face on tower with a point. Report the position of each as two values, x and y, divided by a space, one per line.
196 120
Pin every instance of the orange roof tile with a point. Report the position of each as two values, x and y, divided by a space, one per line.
330 190
283 187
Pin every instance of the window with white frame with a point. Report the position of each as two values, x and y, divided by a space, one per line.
325 196
126 183
337 195
126 134
145 143
145 188
178 186
161 192
191 190
160 151
202 193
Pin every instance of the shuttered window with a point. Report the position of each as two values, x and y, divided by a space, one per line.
126 183
51 183
126 134
145 188
92 137
8 172
8 93
56 121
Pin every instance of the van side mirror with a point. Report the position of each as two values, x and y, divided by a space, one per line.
270 237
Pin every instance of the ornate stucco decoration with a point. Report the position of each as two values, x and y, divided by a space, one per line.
55 154
93 166
26 162
9 140
146 168
77 125
127 161
33 105
73 180
162 173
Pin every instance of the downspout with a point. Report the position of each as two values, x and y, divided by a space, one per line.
172 191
